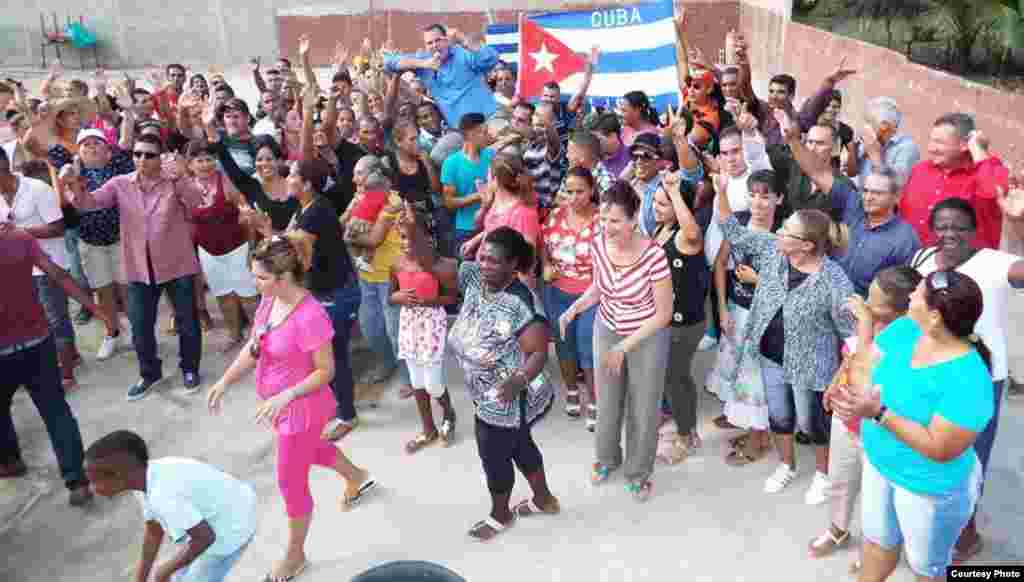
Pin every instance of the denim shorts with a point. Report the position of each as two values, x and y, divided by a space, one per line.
927 526
789 407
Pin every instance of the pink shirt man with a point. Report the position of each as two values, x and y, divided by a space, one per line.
153 221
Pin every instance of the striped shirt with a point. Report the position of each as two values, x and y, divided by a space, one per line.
627 292
546 173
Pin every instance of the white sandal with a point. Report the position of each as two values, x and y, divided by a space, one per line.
572 409
591 422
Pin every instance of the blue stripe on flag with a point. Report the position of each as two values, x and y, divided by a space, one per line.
637 61
502 28
505 48
607 17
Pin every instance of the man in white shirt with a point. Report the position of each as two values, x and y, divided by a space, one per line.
208 513
33 206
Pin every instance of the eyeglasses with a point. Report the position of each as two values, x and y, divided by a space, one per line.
644 156
144 154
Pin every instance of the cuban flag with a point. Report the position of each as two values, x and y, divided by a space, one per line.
638 52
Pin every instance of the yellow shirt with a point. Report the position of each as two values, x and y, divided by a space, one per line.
385 255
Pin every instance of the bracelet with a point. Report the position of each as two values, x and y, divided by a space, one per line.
880 417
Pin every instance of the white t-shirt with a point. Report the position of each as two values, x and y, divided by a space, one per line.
739 195
990 270
181 493
37 204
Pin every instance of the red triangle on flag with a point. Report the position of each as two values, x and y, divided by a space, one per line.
543 58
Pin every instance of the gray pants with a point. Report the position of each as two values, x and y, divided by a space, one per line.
680 388
634 394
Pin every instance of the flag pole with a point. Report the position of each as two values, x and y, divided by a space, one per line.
522 57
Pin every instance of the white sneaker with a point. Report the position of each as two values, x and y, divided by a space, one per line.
108 347
780 479
817 493
707 343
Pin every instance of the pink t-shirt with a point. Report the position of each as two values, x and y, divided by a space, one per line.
521 217
286 359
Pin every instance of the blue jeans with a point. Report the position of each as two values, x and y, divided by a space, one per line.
927 526
790 407
378 319
143 300
578 343
342 306
210 567
75 258
55 305
36 369
983 444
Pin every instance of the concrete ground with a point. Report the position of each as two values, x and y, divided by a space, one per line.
706 520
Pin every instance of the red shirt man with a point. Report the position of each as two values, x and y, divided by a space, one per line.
959 165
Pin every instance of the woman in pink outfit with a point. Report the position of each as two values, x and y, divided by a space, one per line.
291 350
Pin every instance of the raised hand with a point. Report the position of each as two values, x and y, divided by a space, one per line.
340 55
1011 201
99 82
977 141
304 44
841 73
872 147
254 65
388 47
746 120
786 125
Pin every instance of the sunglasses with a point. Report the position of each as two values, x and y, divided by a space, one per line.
942 281
644 156
257 341
143 154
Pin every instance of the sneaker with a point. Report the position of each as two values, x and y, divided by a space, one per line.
191 381
817 493
707 343
780 479
108 347
141 388
1014 389
80 496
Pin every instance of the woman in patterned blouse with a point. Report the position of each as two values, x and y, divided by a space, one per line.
796 321
501 343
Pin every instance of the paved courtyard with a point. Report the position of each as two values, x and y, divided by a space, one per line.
705 522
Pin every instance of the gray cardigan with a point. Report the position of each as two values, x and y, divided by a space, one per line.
814 315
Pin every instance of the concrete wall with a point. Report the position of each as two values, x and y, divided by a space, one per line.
810 54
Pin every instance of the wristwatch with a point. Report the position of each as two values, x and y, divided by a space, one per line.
881 414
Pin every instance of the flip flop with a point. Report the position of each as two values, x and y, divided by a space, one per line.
350 502
447 430
302 568
527 507
475 532
420 442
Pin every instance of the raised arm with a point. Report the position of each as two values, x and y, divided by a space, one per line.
817 169
576 103
816 105
257 77
682 52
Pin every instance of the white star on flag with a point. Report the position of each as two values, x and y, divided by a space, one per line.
544 59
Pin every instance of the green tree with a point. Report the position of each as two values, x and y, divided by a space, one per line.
964 22
888 11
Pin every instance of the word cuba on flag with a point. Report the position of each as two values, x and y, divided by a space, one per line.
638 51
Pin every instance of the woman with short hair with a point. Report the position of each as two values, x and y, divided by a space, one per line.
633 288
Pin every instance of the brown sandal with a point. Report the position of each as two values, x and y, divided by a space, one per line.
722 422
421 441
744 455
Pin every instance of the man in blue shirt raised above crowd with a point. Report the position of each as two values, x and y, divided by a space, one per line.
453 75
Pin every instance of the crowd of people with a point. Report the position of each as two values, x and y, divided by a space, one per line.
850 282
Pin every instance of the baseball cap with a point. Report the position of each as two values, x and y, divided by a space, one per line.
647 141
91 132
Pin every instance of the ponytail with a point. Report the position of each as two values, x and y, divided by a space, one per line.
979 345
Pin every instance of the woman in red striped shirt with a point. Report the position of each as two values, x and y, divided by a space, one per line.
633 289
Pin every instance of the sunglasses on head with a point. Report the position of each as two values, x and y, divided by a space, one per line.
144 154
643 155
942 280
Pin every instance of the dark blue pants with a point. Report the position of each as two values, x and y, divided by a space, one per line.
36 369
143 300
343 308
